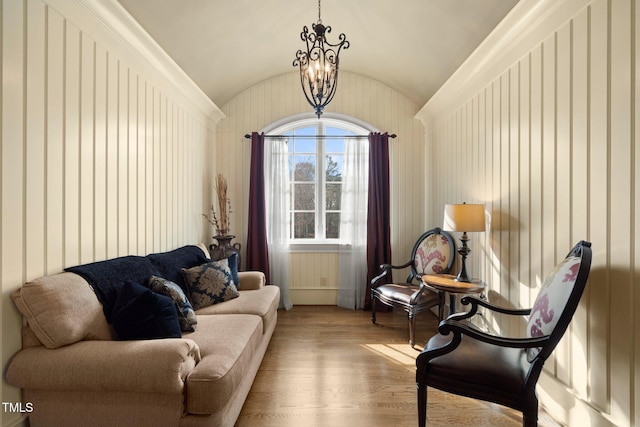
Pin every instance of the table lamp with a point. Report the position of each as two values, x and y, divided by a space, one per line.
463 217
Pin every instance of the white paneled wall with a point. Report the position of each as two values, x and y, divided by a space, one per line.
103 153
357 96
544 132
314 278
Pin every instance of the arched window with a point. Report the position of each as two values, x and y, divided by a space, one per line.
316 154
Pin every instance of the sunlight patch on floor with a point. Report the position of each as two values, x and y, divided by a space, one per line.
401 354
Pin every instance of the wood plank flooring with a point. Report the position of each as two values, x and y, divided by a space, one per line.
332 367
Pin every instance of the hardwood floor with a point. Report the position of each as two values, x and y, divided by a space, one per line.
332 367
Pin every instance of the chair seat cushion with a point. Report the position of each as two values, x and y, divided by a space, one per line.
403 292
501 369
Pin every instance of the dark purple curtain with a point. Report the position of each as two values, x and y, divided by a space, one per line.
257 252
378 216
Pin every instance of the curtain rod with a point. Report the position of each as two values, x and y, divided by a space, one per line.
393 135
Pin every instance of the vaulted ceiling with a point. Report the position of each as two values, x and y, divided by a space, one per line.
226 46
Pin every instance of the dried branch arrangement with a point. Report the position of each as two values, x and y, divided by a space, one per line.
222 223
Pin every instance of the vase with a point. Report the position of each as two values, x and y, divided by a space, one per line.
224 248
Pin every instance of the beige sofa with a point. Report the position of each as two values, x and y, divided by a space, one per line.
75 373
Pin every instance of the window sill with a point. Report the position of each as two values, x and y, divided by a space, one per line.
316 246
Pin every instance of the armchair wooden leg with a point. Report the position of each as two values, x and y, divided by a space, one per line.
412 330
373 309
530 415
422 405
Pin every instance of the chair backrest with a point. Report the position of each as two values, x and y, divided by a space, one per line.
433 253
558 299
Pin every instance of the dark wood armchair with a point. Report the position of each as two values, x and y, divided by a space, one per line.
463 360
433 253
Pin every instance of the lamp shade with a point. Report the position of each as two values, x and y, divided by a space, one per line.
463 217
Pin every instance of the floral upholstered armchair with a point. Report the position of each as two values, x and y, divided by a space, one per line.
433 253
464 360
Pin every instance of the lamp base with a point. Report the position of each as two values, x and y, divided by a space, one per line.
463 250
463 277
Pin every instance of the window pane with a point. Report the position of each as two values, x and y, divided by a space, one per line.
305 145
304 196
333 197
305 168
305 131
333 225
334 164
333 131
304 225
334 146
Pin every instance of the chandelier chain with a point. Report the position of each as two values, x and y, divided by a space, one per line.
319 20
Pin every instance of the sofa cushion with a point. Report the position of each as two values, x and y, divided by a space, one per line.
261 302
228 343
139 313
210 283
62 309
186 315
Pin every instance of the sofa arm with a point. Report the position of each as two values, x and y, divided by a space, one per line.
160 365
251 280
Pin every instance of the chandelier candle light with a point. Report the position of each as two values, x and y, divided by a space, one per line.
463 217
319 64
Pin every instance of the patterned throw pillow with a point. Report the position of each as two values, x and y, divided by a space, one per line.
551 301
186 315
210 283
432 256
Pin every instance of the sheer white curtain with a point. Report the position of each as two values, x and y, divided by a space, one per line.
352 260
277 197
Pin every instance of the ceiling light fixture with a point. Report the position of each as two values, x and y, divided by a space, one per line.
319 64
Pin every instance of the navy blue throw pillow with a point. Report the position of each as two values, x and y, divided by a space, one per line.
233 266
140 313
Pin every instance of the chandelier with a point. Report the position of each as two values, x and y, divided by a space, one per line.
319 64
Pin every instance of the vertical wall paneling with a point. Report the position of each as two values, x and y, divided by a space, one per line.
13 86
635 148
54 150
523 222
132 161
33 148
620 206
563 168
579 186
86 145
122 155
560 165
71 145
512 182
599 230
102 152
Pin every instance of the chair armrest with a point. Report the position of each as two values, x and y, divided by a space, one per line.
475 302
156 366
386 269
251 280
